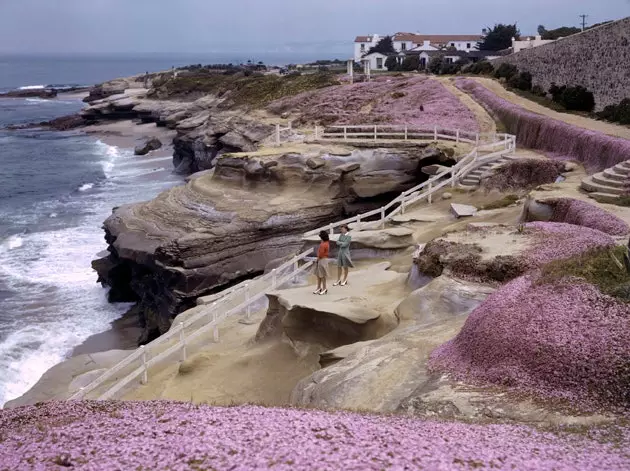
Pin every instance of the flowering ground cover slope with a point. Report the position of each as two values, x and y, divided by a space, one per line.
180 436
418 101
561 339
596 150
581 213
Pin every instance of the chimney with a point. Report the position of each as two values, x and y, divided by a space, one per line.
426 43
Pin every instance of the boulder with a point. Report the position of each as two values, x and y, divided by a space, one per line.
447 196
463 210
149 145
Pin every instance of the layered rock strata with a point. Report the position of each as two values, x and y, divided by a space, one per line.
229 224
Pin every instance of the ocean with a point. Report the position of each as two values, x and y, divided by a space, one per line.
56 189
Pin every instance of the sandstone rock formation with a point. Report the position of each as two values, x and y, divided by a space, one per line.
227 225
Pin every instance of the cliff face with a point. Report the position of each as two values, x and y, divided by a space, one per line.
225 226
598 59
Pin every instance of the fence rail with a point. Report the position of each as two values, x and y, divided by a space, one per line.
498 145
180 338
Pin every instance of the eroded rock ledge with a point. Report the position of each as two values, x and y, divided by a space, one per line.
229 224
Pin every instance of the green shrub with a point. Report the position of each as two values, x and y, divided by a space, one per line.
479 68
506 71
411 63
522 81
539 91
617 113
435 65
397 95
450 68
576 98
392 64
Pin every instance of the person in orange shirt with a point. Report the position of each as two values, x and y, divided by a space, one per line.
321 267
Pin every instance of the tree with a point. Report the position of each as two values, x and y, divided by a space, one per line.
384 46
392 64
411 63
499 37
561 32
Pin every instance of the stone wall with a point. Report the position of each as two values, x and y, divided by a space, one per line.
598 59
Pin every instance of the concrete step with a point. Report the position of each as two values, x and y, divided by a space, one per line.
611 174
620 169
469 182
601 179
625 165
606 198
592 187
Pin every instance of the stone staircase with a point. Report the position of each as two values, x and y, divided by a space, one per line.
473 179
609 184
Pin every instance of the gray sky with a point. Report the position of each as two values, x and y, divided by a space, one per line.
102 26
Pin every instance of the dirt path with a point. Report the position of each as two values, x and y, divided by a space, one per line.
575 120
486 122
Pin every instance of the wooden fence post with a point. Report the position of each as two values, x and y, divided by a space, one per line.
477 140
435 134
345 133
316 133
182 340
375 133
277 134
382 218
406 132
430 194
145 372
331 229
248 309
457 137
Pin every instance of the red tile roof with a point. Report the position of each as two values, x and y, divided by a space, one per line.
436 38
363 39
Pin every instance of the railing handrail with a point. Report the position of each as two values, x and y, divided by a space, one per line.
465 165
137 354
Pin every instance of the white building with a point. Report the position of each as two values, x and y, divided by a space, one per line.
529 43
362 45
405 42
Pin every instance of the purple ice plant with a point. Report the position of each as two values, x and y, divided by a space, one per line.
581 213
563 339
594 149
416 101
158 435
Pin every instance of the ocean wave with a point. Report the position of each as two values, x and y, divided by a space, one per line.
86 187
32 87
11 243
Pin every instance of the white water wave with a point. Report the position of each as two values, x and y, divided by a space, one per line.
86 187
32 87
11 243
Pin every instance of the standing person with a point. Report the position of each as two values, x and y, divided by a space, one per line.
344 262
321 268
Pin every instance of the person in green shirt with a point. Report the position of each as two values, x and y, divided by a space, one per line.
344 261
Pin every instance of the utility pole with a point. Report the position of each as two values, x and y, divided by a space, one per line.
583 21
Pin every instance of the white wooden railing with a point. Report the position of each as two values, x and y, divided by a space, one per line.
499 146
402 132
180 340
280 131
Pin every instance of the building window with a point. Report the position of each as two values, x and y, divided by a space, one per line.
449 60
452 44
403 46
362 47
467 45
379 62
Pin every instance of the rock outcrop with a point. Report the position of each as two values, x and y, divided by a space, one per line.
150 145
227 225
31 93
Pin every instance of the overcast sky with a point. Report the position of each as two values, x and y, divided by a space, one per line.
103 26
